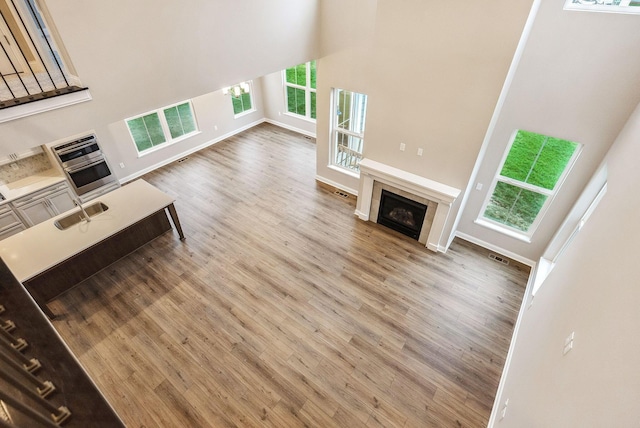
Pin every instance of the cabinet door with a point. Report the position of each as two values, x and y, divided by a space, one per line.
12 231
8 219
61 201
36 212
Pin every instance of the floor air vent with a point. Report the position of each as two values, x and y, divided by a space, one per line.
499 259
182 160
341 194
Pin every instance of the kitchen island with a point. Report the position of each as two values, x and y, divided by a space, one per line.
49 261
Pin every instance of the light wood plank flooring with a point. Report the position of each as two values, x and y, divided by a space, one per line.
283 309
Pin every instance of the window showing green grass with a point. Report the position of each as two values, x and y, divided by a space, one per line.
528 179
162 127
241 98
180 120
241 103
610 6
300 89
146 131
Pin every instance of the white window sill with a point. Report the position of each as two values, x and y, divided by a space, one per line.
29 109
500 229
167 144
244 113
346 171
299 116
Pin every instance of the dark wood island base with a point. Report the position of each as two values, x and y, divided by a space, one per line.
49 284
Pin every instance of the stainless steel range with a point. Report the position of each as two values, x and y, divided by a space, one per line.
86 167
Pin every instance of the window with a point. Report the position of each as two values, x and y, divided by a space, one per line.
348 128
613 6
162 127
240 98
529 177
300 89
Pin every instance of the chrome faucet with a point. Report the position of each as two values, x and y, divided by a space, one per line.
84 213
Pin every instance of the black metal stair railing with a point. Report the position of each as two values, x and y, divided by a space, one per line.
30 65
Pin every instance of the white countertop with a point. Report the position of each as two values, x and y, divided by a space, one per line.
30 184
43 246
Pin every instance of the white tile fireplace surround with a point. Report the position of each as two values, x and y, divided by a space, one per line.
376 176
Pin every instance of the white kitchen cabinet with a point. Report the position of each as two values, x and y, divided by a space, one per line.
7 158
5 233
44 204
10 223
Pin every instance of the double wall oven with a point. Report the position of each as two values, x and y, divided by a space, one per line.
86 167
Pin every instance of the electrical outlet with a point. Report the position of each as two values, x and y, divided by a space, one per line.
15 166
503 413
402 147
420 151
568 343
479 186
215 127
121 164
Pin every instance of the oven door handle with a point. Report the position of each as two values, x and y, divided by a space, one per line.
72 170
74 148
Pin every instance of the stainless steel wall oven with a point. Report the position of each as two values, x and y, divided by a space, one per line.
85 166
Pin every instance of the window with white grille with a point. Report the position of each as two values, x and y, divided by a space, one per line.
348 123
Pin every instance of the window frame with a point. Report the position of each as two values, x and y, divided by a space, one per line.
551 194
307 92
336 131
249 91
603 8
164 125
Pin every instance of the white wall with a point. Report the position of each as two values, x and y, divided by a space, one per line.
593 291
432 72
142 55
577 80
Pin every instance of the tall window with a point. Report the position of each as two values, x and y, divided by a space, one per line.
162 127
300 89
349 115
240 98
533 169
613 6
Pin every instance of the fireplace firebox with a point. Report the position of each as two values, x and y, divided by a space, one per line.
401 214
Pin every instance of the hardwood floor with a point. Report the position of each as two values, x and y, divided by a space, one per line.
282 309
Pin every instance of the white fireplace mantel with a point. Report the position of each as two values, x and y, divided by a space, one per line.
443 195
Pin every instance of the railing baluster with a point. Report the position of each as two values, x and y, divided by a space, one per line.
9 57
46 39
26 61
48 77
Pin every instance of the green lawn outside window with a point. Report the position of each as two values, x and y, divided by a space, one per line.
529 176
300 84
162 126
241 103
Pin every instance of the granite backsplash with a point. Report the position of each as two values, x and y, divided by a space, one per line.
26 167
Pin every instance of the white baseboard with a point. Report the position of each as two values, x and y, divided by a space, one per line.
495 248
526 301
336 185
188 152
291 128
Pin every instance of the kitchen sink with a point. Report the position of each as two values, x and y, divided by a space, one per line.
76 217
